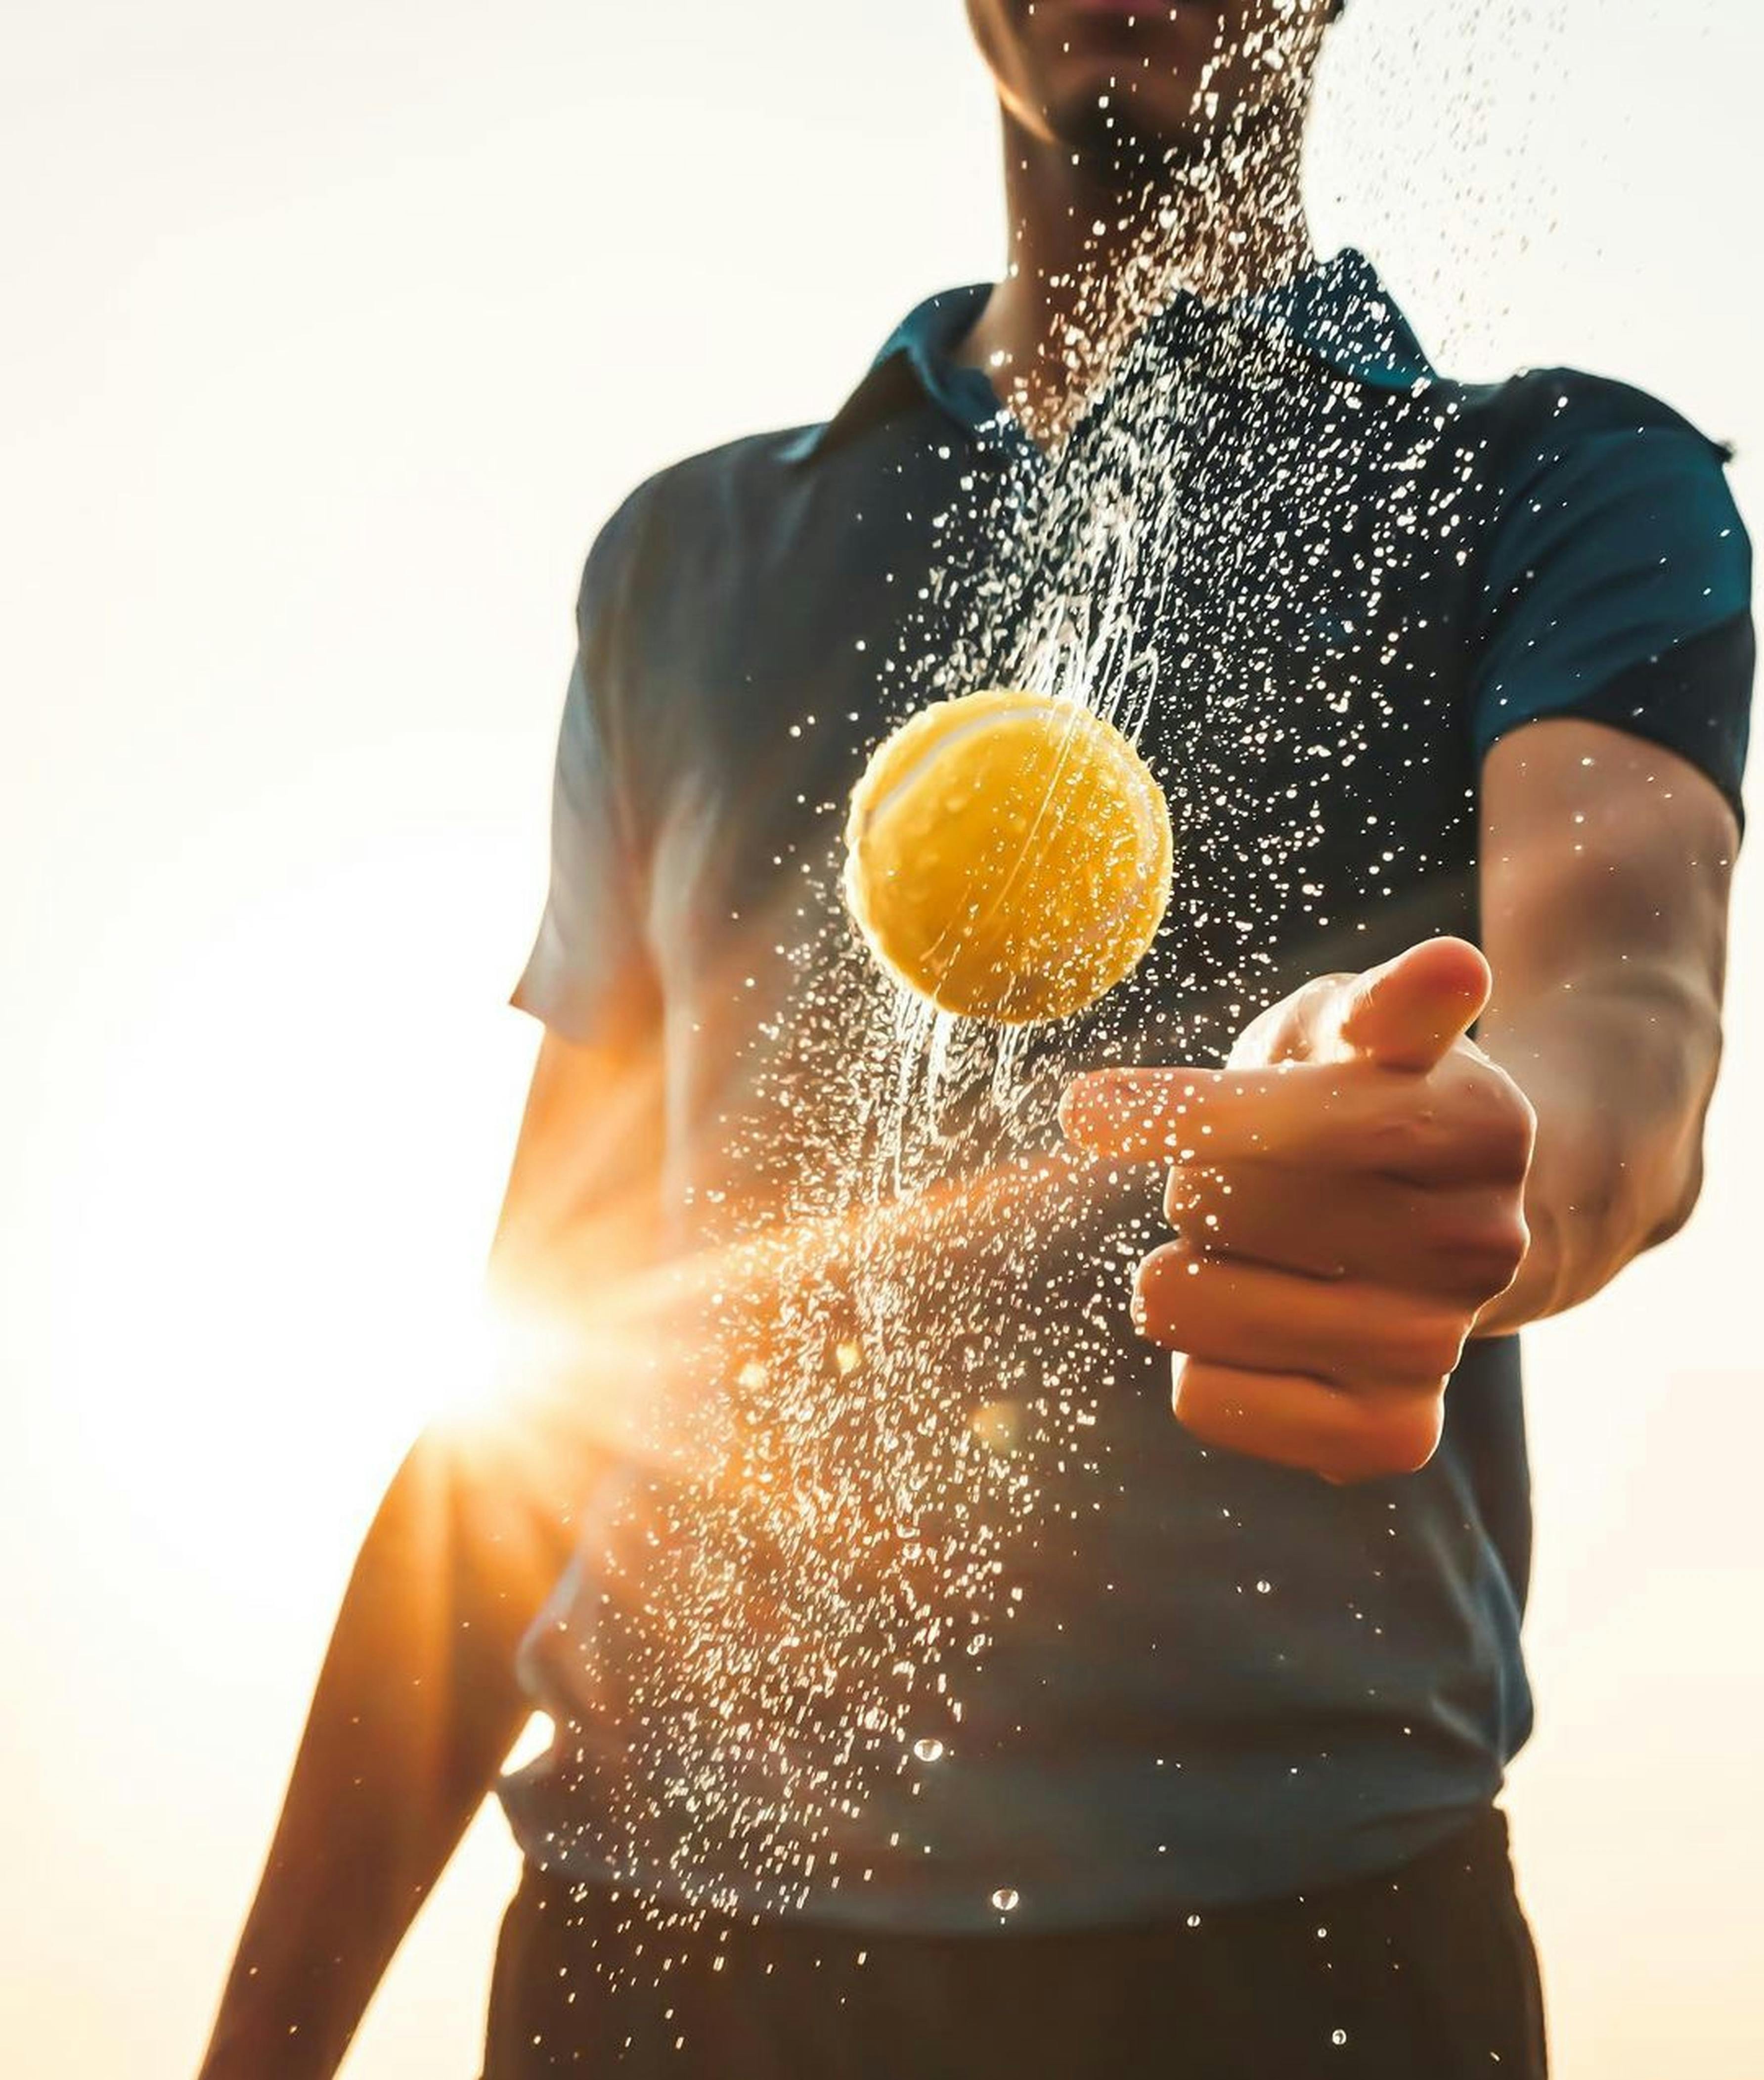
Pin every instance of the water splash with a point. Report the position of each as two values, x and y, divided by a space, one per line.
857 1448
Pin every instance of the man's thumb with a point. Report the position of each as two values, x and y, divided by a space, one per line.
1406 1014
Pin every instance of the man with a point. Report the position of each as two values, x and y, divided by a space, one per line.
928 1701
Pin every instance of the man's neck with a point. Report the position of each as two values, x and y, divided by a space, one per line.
1093 253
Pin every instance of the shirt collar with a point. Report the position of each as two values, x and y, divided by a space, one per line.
1338 309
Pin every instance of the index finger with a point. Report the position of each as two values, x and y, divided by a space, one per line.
1295 1112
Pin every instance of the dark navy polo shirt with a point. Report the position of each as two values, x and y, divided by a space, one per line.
1195 1678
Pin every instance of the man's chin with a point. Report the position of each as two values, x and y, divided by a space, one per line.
1126 142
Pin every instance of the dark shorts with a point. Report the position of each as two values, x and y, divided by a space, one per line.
1426 1973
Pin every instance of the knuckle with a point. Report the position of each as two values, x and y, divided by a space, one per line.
1394 1437
1500 1123
1504 1247
1423 1348
1478 1255
1510 1136
1477 1125
1402 1139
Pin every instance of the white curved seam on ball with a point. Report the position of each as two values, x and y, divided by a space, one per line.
976 925
923 763
1155 813
1142 788
911 777
1139 778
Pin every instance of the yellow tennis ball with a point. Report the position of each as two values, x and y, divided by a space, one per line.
1008 855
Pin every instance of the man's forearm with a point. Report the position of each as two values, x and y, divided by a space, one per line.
414 1711
1620 1075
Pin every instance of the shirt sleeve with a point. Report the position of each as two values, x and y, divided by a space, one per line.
589 977
1617 585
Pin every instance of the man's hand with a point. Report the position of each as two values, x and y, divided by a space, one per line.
1347 1195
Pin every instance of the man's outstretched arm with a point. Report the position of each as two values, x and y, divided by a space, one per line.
417 1704
1606 867
1364 1187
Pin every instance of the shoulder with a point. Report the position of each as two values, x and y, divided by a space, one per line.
1543 420
1581 473
682 513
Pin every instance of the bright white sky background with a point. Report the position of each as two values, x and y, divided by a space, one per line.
332 333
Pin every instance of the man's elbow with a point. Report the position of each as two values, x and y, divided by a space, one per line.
1682 1183
1681 1196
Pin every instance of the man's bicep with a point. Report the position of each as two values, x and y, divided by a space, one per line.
1606 863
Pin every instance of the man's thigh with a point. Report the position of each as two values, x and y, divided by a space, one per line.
1428 1970
1426 1973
